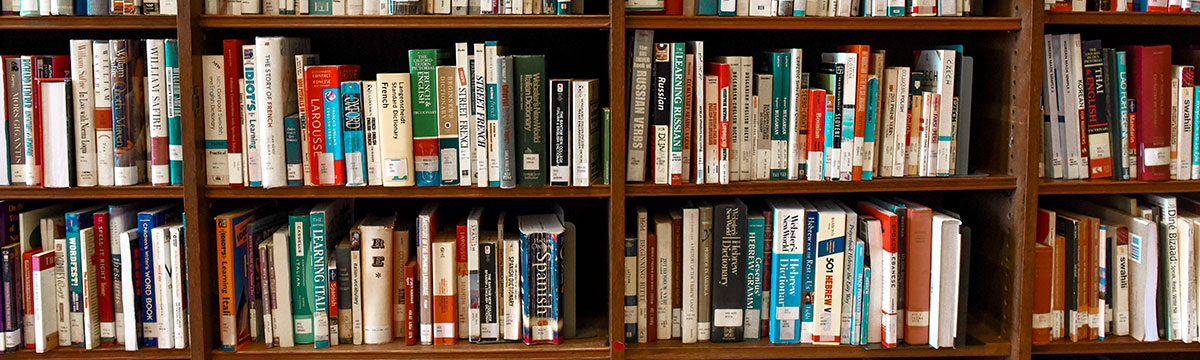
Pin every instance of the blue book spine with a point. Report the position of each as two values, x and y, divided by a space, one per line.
787 263
754 277
81 7
333 131
174 114
353 137
1141 5
706 7
146 304
869 130
291 148
74 275
541 299
320 300
857 315
866 307
810 261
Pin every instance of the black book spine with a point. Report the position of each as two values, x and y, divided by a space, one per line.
8 259
530 85
488 316
1069 231
729 280
345 301
560 122
660 107
964 273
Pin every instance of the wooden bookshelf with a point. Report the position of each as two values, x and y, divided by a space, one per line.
86 22
1122 19
1115 345
111 352
594 348
407 21
1083 187
963 183
823 23
97 192
763 349
463 192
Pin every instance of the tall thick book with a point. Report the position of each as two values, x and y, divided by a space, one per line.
916 282
729 291
447 124
273 58
232 51
639 103
422 66
830 247
354 141
234 292
787 255
541 278
395 126
317 79
529 72
445 314
378 262
215 134
1149 95
84 115
56 128
156 117
327 218
585 132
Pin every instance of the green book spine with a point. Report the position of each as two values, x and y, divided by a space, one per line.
868 171
174 119
301 264
320 279
422 65
531 89
320 7
604 128
677 73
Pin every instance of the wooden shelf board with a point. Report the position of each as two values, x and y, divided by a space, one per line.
86 22
1114 345
598 191
806 187
763 349
590 348
406 21
822 23
113 352
95 192
1074 187
1121 18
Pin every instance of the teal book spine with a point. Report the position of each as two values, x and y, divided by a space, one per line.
174 118
787 264
866 301
869 155
320 279
755 230
856 316
331 98
780 97
677 73
320 7
354 140
706 7
291 148
301 269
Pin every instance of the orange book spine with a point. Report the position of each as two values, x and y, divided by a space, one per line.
916 298
1043 262
860 103
445 307
1058 305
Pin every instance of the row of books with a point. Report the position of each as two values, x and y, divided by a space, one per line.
1123 5
482 119
839 8
466 276
106 115
393 7
752 118
892 271
106 274
90 7
1126 113
1117 265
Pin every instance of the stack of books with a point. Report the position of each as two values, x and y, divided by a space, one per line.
1117 265
1122 113
106 115
489 277
698 119
393 7
483 119
874 273
107 274
831 8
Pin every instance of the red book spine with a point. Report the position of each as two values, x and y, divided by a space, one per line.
1149 83
27 293
232 50
60 66
860 103
37 131
652 288
816 131
723 99
916 277
410 303
104 272
317 79
673 7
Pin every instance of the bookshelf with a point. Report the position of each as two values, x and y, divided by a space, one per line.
1002 196
1115 29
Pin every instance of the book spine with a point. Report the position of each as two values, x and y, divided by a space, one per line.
104 280
754 277
631 289
541 302
84 107
174 112
728 298
396 144
31 171
125 85
410 303
447 124
1100 162
27 331
492 103
160 247
830 249
465 118
318 79
333 159
505 122
479 103
158 152
74 278
530 86
353 134
512 320
445 317
560 130
281 280
787 264
356 295
489 324
584 132
292 153
233 110
340 268
700 105
371 133
815 107
301 275
422 65
215 137
226 275
675 111
62 291
42 284
462 282
178 287
639 100
425 235
870 126
320 279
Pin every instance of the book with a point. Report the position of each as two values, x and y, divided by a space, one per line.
232 238
787 254
273 59
173 110
158 152
830 249
447 124
531 89
57 132
395 145
45 327
728 298
1148 96
354 141
690 263
84 112
281 278
233 77
541 278
917 288
215 136
426 233
318 79
445 307
378 262
130 258
327 218
422 66
755 231
639 80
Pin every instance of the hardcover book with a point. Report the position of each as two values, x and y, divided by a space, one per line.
729 277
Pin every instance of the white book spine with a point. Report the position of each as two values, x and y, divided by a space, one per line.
473 292
887 122
698 116
903 100
271 61
748 145
493 132
85 132
354 7
102 104
178 292
466 120
1051 88
1183 133
945 88
1121 287
735 117
691 274
1077 85
216 155
479 113
251 7
850 144
512 294
395 144
827 314
371 114
283 294
133 332
356 296
61 293
582 103
160 242
760 7
1067 99
663 281
45 326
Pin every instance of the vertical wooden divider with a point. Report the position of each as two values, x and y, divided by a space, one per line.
616 213
201 287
